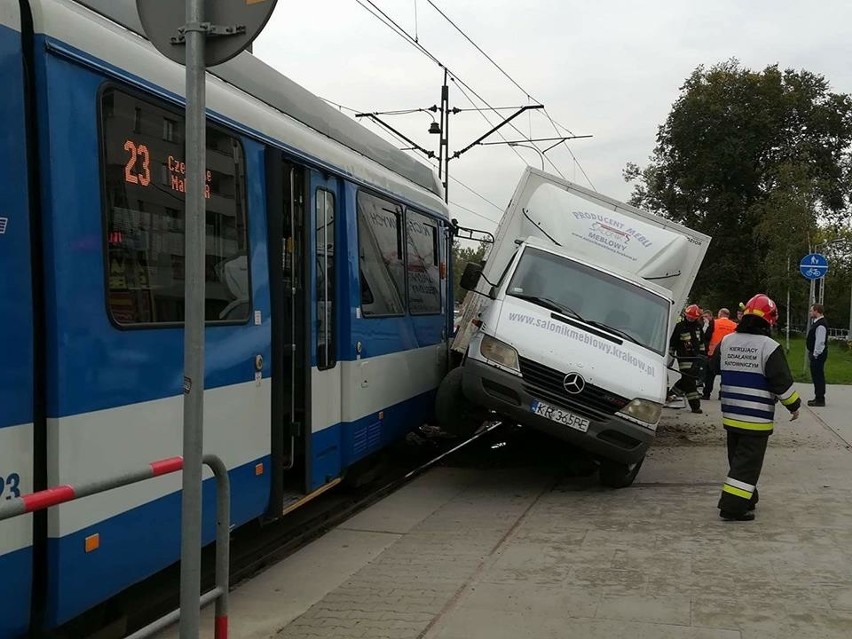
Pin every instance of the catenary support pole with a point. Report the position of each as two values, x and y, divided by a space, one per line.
444 144
811 301
193 413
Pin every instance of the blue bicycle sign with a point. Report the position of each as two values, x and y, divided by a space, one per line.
813 266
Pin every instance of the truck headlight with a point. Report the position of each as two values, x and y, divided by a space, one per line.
499 353
643 411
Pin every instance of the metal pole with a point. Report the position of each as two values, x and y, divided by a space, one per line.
811 301
788 304
193 406
849 334
445 135
223 541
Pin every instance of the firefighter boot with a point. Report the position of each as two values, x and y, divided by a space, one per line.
695 405
730 516
752 503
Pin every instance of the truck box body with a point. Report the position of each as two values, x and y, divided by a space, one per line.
597 228
566 329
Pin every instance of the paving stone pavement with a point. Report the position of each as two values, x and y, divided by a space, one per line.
528 552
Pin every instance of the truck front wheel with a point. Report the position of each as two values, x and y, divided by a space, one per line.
456 414
618 475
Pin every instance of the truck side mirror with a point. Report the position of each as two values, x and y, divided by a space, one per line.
470 277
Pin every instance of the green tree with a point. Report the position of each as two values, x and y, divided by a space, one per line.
461 256
785 226
757 160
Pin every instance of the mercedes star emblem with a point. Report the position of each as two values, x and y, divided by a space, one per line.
574 383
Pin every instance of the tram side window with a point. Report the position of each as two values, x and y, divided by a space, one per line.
325 279
424 277
381 258
144 174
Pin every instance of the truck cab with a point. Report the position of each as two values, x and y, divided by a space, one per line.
551 351
565 327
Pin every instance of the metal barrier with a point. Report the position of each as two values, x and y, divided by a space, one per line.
63 494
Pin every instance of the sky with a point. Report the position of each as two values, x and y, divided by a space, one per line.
609 69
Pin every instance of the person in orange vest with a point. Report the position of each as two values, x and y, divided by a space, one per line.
723 325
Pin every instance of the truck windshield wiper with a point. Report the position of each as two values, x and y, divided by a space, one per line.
617 331
546 302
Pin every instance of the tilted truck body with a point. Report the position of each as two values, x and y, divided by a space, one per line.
566 328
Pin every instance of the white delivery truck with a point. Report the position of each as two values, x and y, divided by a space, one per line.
565 328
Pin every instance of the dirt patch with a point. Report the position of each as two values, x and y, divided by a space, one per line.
682 428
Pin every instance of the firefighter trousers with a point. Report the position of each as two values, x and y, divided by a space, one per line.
687 384
745 461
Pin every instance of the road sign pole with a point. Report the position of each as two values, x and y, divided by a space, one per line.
811 301
193 405
231 26
814 266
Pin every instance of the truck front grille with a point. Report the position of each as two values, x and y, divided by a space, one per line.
546 383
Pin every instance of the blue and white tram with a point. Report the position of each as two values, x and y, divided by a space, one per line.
327 297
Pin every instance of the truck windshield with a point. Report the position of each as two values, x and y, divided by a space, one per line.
592 296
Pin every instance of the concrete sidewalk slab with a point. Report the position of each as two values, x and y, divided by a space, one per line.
528 552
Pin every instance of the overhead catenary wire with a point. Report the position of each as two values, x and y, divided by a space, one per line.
576 161
491 124
464 208
553 122
491 60
477 194
454 179
521 133
343 107
383 17
522 89
478 48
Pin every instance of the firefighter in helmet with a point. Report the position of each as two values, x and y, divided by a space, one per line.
687 345
755 375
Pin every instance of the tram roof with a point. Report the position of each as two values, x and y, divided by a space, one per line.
261 81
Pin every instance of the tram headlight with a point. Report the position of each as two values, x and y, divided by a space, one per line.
499 353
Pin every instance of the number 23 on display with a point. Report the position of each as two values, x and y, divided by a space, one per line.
10 486
137 152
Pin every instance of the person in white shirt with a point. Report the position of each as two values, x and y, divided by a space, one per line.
817 344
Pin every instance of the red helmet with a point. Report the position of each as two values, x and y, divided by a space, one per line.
692 312
762 306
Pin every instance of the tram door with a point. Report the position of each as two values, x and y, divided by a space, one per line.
21 442
325 412
289 269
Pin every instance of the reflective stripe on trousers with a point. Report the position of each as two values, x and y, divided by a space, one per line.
745 460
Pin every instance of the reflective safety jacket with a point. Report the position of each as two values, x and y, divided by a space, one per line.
755 375
687 343
723 326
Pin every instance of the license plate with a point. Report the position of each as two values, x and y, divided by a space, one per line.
560 416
